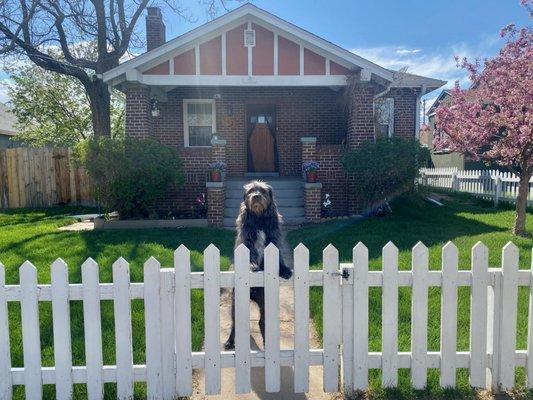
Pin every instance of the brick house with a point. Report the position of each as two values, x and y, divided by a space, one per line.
263 95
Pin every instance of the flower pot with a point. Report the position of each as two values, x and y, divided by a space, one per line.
312 177
216 176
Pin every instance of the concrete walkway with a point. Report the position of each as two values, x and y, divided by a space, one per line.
257 374
286 302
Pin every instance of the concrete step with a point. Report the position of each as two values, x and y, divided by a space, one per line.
278 193
287 212
276 184
280 201
230 222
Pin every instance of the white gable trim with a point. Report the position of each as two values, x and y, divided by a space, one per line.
241 15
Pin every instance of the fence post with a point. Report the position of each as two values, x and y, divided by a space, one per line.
497 190
455 182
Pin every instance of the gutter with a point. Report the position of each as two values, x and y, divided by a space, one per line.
417 121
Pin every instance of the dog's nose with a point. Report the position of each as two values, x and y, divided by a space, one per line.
256 196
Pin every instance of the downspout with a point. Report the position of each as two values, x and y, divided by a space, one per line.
417 112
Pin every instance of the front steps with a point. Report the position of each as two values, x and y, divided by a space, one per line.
288 194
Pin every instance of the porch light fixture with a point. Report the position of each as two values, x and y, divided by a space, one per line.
154 107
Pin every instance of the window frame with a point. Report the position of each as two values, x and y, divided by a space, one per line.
186 103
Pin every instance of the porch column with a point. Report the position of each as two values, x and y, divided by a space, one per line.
216 197
360 115
218 150
360 129
138 112
308 148
313 201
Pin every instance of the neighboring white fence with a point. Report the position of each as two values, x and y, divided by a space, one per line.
492 357
488 184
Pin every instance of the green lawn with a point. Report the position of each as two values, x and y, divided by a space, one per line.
463 220
33 235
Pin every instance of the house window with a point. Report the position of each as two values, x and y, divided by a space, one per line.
199 122
384 117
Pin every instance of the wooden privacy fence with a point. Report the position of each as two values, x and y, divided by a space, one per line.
489 184
31 177
491 359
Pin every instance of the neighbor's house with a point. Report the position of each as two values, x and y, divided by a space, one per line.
263 95
443 158
7 128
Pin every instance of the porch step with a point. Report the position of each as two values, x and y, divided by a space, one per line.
230 222
280 201
287 212
288 193
276 183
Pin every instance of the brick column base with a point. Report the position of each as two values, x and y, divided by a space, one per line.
216 197
313 201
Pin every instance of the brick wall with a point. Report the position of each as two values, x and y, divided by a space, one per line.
404 111
301 112
332 176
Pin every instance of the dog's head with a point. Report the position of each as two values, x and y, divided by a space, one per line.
258 197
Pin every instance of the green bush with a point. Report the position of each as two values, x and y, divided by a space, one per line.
384 167
130 174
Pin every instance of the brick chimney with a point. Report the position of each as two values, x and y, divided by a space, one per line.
155 28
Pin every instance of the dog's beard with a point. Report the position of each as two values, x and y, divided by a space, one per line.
257 208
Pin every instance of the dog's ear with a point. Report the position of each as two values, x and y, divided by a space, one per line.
246 189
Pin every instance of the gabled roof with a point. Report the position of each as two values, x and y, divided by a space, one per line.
250 12
442 96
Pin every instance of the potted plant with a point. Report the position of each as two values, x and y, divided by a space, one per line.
216 170
311 171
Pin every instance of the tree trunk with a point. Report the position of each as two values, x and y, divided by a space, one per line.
100 101
521 205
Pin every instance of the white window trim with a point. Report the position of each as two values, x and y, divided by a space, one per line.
186 102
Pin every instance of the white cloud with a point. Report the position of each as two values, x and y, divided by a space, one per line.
437 62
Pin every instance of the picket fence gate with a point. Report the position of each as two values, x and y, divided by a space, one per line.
345 355
488 184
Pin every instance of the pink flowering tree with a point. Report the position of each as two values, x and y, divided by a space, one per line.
492 121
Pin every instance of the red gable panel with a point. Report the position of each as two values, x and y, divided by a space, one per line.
263 52
336 69
161 69
314 64
211 57
288 57
236 53
185 63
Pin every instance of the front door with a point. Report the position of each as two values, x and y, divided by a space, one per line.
262 151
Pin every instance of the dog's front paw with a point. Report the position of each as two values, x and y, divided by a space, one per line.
285 272
229 345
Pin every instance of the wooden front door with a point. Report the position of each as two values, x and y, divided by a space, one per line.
262 151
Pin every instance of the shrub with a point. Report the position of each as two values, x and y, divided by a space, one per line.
384 167
130 174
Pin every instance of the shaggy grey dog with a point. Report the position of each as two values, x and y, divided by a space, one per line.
258 225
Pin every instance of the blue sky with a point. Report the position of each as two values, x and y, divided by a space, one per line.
421 35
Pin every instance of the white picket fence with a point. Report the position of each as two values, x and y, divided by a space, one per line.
488 184
169 366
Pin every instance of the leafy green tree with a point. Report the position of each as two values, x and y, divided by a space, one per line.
53 109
